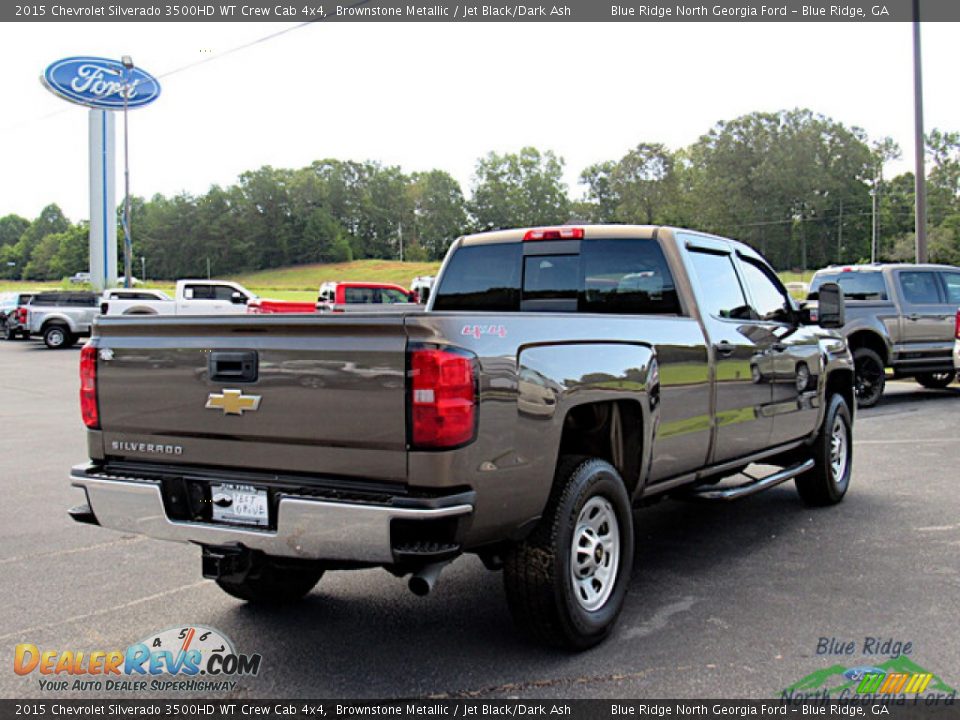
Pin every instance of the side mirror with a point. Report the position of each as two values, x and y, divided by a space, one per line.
238 298
830 306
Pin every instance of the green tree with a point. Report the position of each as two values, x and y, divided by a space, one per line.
645 184
601 199
519 189
776 180
50 221
943 180
73 253
439 213
11 228
326 238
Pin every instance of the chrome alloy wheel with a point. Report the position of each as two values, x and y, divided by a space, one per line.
839 451
595 553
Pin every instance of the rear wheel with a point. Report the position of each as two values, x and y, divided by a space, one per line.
832 454
935 380
274 584
57 337
869 377
565 584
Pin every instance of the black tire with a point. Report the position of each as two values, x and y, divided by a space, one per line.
870 377
57 337
10 334
828 481
935 380
274 584
544 598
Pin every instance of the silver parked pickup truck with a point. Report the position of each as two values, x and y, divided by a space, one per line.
61 317
559 378
899 316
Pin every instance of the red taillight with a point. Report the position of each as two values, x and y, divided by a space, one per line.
443 398
956 326
88 387
560 233
22 315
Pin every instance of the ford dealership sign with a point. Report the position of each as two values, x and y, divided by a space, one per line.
100 83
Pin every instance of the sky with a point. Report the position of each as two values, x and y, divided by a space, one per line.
441 95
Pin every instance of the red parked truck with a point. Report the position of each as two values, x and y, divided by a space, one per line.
341 297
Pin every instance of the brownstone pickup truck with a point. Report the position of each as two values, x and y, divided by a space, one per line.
558 379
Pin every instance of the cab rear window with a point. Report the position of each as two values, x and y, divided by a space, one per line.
858 285
624 276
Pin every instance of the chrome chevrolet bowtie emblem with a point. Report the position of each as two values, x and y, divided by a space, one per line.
232 402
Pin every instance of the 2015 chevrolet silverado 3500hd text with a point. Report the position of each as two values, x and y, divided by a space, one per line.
559 378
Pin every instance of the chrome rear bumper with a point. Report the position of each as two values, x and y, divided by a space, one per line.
306 528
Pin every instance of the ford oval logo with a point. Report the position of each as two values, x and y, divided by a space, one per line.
100 83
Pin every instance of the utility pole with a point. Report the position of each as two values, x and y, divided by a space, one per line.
873 223
840 233
400 236
127 62
920 172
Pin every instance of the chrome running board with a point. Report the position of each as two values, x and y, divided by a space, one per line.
750 488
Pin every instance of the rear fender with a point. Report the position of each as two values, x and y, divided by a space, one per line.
55 318
555 380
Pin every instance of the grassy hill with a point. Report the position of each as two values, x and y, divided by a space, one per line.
309 277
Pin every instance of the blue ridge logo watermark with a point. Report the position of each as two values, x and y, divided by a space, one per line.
889 676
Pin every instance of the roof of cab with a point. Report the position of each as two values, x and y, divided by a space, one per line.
641 232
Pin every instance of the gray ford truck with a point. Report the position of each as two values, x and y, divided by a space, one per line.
559 378
898 315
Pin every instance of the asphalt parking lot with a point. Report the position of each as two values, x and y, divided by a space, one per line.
726 601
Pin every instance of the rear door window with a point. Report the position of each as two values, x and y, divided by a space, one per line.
951 283
359 295
46 299
198 292
920 287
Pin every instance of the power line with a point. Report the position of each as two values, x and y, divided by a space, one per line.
188 66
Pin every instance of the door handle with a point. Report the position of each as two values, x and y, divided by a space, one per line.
724 349
913 316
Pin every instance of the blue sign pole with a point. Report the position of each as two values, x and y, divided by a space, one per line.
103 225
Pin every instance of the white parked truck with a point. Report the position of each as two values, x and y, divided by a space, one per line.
192 297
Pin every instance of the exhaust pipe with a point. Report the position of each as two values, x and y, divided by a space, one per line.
421 582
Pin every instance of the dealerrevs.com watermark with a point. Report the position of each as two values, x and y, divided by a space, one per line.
191 658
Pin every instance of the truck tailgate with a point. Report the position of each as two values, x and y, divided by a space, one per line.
328 397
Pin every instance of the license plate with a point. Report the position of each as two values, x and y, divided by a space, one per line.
242 504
